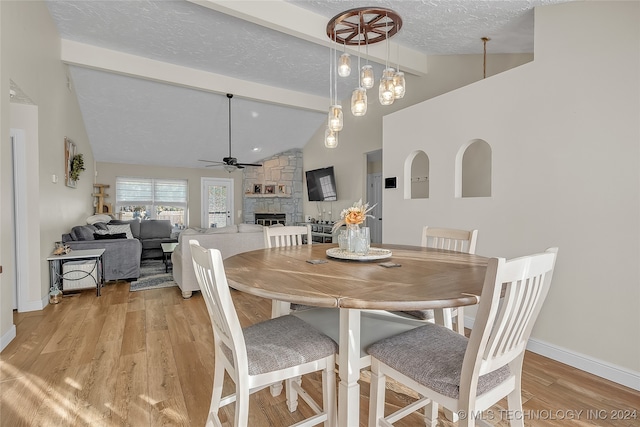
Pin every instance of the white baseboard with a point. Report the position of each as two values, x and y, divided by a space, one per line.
34 305
25 307
8 337
617 374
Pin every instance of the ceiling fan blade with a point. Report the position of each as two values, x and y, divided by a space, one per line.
248 164
210 161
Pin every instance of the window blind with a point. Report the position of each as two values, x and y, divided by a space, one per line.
151 191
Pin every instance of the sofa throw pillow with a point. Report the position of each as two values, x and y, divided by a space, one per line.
120 228
110 236
98 218
83 232
101 226
133 223
190 232
249 228
222 230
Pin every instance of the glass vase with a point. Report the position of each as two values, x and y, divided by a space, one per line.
363 241
353 233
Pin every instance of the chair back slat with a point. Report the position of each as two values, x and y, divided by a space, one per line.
209 269
514 300
450 239
290 235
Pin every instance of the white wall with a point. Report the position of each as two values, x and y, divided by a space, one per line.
565 135
30 57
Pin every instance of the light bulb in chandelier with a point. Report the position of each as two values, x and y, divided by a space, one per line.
386 92
344 65
330 138
399 85
359 102
366 77
335 121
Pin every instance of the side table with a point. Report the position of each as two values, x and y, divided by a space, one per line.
56 275
167 250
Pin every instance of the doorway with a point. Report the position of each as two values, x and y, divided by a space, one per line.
374 194
217 202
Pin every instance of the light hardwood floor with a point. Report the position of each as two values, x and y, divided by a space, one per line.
146 359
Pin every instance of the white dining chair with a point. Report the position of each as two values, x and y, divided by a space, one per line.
262 354
467 376
450 239
288 235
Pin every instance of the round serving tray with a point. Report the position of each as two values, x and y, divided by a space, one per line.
374 253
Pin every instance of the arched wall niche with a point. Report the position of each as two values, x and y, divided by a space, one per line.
416 175
473 169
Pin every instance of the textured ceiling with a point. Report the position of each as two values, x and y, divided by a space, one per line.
138 117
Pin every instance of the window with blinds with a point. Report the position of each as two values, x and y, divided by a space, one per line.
152 198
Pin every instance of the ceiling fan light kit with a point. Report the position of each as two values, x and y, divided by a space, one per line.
229 163
356 27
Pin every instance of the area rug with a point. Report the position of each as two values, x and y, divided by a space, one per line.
152 276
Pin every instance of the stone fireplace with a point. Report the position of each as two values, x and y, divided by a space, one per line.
282 173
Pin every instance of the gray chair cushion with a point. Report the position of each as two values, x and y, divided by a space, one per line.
421 314
281 343
432 355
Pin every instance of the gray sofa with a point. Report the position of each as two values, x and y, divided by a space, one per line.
230 240
121 259
122 256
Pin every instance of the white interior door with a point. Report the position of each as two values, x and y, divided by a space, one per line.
217 202
374 197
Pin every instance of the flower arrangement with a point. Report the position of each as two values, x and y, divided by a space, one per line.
354 215
77 165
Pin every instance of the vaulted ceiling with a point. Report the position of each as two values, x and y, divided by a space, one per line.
151 75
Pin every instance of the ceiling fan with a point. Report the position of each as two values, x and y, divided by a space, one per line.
230 163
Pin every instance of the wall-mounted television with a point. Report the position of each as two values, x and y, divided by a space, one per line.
321 185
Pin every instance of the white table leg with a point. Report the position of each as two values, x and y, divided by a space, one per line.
279 308
443 317
349 370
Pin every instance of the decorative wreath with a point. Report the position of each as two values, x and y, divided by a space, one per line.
77 166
